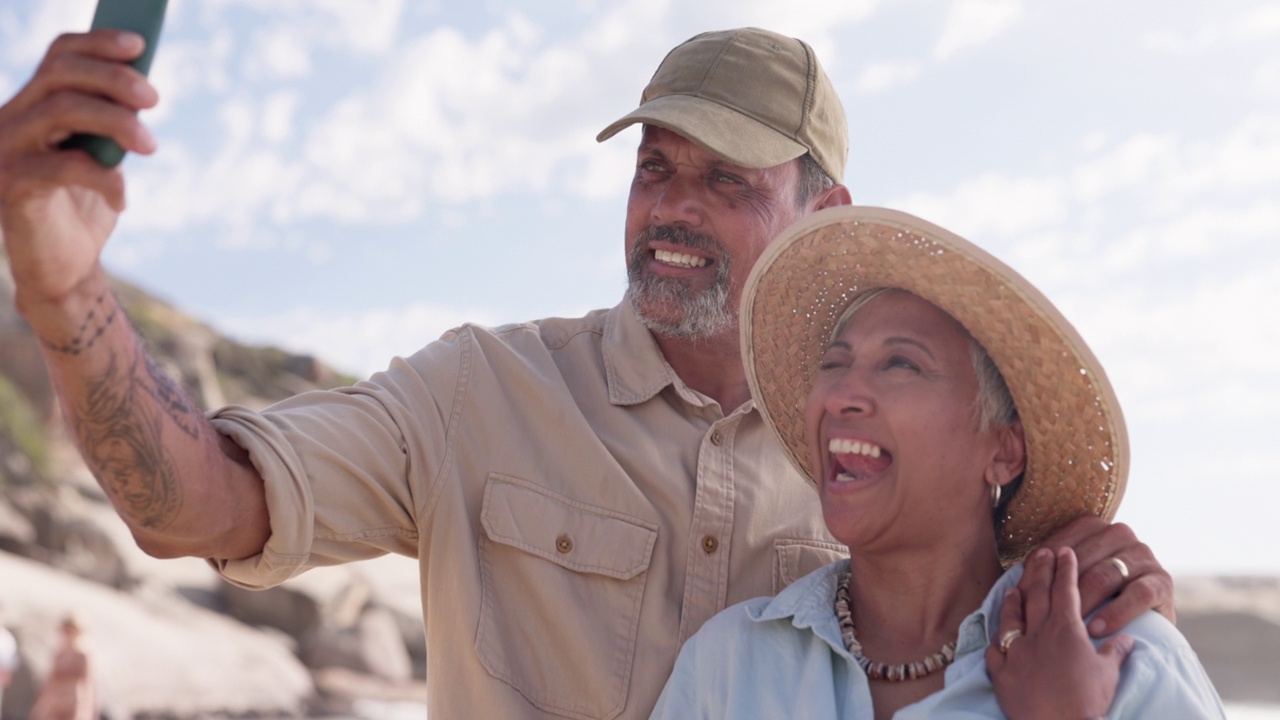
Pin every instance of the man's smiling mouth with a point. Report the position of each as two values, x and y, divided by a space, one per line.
684 260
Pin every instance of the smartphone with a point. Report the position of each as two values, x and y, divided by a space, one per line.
144 17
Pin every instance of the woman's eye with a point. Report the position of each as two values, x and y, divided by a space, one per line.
897 361
832 362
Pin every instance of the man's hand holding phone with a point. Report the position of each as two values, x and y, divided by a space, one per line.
58 206
144 17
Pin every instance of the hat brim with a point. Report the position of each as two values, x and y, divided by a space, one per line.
713 127
1076 441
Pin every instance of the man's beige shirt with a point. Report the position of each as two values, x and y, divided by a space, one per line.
576 510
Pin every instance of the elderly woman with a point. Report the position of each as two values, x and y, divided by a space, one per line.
950 419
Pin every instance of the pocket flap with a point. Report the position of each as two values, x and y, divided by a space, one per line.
568 533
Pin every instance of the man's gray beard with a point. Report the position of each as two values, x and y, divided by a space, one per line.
706 313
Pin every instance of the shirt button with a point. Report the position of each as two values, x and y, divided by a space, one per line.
717 438
564 544
709 544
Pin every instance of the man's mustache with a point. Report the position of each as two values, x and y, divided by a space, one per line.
681 236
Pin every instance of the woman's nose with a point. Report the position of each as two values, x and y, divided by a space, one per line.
850 395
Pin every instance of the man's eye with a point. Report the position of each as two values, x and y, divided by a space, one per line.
724 178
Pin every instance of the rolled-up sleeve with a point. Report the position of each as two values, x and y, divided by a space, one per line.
346 472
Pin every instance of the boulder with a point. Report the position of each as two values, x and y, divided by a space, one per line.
155 654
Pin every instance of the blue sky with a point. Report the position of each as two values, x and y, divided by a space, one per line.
350 178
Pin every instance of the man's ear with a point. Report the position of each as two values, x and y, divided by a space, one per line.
1010 458
831 197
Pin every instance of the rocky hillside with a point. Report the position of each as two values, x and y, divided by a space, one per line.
174 641
170 638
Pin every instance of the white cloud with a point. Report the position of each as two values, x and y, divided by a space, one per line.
1131 163
278 116
1260 23
1201 351
1094 141
354 342
189 69
972 23
814 21
26 42
1267 78
994 205
423 131
881 76
1164 40
281 53
369 26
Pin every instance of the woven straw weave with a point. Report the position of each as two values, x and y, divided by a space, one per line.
1077 447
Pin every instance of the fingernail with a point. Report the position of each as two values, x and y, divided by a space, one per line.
1010 593
1044 553
1097 627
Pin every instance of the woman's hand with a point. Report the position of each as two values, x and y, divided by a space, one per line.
1042 662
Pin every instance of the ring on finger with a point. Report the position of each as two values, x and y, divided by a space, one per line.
1007 639
1124 569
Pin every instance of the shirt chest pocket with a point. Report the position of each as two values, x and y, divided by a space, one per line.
561 587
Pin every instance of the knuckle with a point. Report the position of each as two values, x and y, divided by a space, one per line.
1144 592
1143 551
61 44
1097 581
1122 530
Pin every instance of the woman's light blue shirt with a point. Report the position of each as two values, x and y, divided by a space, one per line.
782 657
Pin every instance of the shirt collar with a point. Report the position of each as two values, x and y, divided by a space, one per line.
635 368
810 603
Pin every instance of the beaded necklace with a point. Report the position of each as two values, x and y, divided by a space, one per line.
878 670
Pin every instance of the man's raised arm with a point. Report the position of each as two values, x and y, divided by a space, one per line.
181 487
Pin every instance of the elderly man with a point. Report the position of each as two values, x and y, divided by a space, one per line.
581 494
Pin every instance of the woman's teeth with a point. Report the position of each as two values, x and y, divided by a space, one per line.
842 446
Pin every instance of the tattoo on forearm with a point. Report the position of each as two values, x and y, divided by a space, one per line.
121 433
95 323
171 397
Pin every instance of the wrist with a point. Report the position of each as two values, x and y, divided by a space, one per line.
71 322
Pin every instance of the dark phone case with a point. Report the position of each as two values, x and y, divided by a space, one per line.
144 17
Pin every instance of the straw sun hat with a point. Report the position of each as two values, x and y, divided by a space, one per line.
1077 447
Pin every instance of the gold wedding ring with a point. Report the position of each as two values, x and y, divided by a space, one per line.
1007 639
1124 569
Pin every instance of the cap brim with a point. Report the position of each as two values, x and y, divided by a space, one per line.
715 128
1077 446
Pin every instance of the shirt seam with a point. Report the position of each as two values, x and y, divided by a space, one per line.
462 388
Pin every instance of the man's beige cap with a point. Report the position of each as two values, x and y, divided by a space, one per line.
753 97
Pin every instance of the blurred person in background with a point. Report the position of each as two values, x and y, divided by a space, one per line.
68 691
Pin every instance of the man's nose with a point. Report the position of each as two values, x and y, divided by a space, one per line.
680 203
